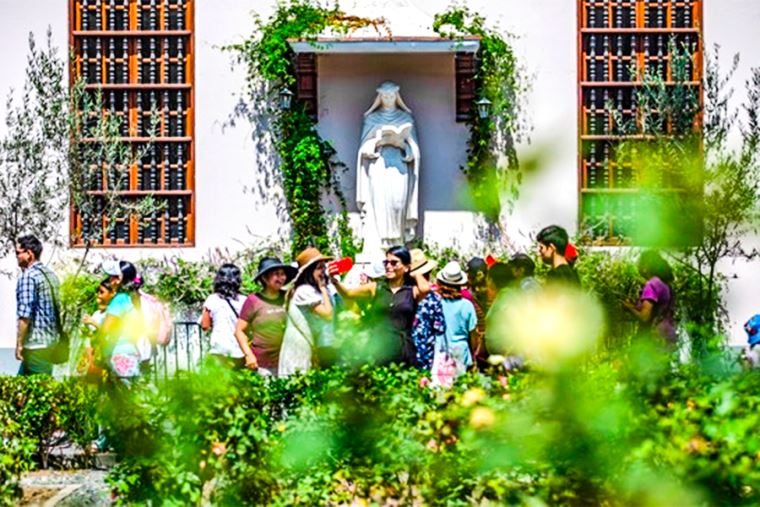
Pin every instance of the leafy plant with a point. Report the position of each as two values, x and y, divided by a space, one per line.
697 194
307 162
99 163
33 160
499 79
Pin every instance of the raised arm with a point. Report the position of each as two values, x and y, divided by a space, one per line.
366 291
422 287
644 314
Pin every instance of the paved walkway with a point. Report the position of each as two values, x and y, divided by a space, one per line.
48 488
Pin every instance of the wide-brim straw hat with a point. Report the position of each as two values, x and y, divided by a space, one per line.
452 274
270 263
307 258
420 263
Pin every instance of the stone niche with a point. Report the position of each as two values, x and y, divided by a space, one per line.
337 81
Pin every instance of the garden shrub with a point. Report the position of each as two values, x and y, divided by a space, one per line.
622 428
15 457
42 407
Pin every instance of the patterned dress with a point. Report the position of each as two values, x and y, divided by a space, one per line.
429 323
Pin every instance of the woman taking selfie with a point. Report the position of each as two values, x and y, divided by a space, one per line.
393 304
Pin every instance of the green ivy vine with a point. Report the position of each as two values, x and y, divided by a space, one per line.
498 78
307 162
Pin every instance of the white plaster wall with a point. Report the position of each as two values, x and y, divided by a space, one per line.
230 217
17 19
733 24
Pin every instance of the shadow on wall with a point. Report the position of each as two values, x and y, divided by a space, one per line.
266 182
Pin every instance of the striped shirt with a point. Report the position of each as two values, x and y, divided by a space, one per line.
34 302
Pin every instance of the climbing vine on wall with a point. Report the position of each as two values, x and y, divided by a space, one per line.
307 162
492 167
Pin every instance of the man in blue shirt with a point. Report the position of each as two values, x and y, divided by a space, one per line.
37 294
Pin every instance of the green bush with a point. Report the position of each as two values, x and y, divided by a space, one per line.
42 407
608 434
15 457
622 429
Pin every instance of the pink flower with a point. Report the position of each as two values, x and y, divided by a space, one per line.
122 364
503 381
424 381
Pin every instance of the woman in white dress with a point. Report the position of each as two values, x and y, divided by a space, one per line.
310 314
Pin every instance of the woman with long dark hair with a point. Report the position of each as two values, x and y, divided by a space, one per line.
220 314
123 325
310 314
393 304
655 308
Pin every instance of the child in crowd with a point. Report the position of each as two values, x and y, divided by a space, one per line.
459 315
92 356
123 324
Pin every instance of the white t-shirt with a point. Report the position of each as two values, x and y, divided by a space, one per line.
223 322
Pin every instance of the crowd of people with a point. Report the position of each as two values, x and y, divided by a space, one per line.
417 314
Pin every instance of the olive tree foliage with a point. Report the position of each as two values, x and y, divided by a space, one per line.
98 159
62 148
730 205
33 153
716 165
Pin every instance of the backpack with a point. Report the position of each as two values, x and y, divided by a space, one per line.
752 327
158 319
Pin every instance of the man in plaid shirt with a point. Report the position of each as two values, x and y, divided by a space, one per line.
35 308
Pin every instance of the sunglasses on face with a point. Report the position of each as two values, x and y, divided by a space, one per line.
392 263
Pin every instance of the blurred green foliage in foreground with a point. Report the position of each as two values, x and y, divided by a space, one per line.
620 429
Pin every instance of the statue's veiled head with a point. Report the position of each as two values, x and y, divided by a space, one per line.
388 97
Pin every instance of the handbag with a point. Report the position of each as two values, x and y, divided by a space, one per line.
59 352
444 369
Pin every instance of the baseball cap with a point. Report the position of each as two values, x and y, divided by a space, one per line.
111 267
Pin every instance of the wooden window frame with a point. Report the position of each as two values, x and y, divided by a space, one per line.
133 87
636 34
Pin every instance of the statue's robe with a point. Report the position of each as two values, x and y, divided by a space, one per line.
387 188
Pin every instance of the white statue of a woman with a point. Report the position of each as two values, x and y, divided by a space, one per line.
387 178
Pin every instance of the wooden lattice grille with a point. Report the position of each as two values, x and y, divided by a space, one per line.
140 54
618 40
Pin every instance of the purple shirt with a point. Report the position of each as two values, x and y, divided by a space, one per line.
659 294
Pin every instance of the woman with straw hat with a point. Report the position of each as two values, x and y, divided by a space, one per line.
459 314
429 322
393 304
309 314
263 317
